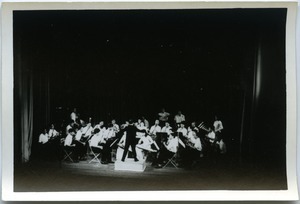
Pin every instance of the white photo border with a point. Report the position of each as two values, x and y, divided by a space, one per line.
8 193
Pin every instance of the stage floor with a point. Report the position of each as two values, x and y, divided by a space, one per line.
225 174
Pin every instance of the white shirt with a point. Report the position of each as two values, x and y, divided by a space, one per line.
172 144
68 140
87 130
211 135
95 140
52 133
154 129
43 138
197 143
179 118
191 134
109 133
218 126
146 142
166 129
164 116
73 116
116 128
183 130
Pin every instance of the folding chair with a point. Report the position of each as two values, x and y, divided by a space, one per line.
95 152
172 161
68 151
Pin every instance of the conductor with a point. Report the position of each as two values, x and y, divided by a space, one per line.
131 131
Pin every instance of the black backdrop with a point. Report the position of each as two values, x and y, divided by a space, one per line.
128 63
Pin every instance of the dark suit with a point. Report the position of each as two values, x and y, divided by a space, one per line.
131 131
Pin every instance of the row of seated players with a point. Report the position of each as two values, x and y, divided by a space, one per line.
103 139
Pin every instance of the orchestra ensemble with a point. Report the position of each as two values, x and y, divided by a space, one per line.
135 140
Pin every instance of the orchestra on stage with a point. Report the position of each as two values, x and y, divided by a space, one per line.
164 141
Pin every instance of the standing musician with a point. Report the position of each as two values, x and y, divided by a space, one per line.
218 127
74 115
179 118
130 141
163 116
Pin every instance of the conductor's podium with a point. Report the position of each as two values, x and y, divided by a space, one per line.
130 165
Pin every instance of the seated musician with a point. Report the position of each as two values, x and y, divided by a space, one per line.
121 146
211 136
107 139
168 150
182 130
146 122
52 132
167 128
141 126
69 144
194 127
44 137
95 142
69 140
192 151
81 138
154 129
116 127
145 145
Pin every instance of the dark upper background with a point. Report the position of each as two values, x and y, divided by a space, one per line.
121 64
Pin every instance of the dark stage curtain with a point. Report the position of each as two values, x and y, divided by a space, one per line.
31 100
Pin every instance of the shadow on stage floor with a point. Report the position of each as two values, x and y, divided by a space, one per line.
224 174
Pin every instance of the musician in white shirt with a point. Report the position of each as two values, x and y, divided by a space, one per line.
101 127
141 126
155 128
144 145
167 128
192 152
69 139
108 138
44 137
95 142
179 118
52 132
146 122
163 115
168 150
182 130
116 127
218 126
74 115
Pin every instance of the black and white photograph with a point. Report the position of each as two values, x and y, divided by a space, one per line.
159 99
